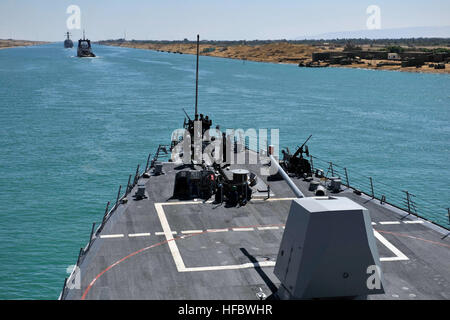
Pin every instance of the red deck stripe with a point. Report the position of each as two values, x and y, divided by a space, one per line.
83 297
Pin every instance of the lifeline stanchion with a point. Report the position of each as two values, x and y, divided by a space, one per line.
371 187
148 160
346 177
118 195
79 256
92 234
128 186
105 215
136 176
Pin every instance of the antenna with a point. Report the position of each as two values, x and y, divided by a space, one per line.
83 35
196 81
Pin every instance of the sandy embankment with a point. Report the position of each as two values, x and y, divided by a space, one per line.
278 52
274 52
5 44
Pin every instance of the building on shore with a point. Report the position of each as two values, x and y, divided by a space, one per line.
409 59
393 56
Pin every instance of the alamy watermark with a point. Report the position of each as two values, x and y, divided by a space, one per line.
74 280
209 146
374 20
374 280
74 20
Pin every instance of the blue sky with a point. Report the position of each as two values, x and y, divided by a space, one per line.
225 19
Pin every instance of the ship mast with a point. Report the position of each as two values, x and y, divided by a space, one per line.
196 80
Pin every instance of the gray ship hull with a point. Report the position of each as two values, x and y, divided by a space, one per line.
68 44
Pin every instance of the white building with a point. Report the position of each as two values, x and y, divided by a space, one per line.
393 56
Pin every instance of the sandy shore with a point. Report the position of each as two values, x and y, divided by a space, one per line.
279 52
5 44
274 52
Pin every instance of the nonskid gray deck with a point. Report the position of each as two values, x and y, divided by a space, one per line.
161 248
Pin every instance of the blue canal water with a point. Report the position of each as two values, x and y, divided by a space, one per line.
72 130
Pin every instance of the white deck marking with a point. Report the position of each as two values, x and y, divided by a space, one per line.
183 202
169 237
162 233
182 268
144 234
218 230
191 231
414 221
243 229
268 228
280 199
389 222
107 236
233 267
176 253
272 199
399 256
374 223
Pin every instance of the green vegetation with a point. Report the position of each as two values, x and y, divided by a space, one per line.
395 49
206 50
436 50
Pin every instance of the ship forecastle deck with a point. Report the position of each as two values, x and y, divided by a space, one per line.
163 248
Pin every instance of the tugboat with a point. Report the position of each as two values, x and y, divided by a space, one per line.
68 43
84 48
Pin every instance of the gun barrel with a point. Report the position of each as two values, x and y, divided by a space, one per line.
306 140
186 114
286 178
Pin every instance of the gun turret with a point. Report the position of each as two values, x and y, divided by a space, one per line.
296 163
300 150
